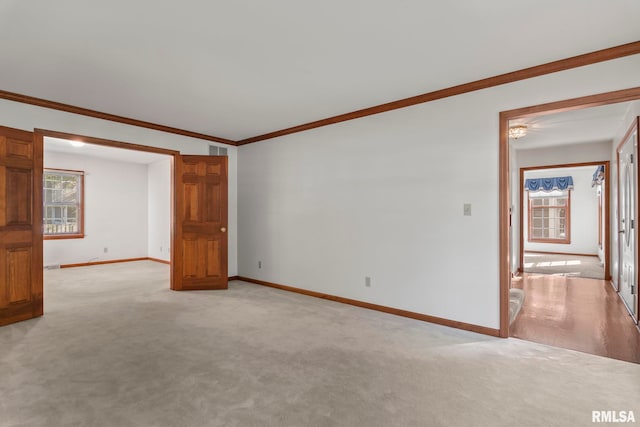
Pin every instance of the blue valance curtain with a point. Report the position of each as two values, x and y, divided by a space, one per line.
598 176
549 184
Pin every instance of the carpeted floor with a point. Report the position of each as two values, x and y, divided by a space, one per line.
118 348
566 265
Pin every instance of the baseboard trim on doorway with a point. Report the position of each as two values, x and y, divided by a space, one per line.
163 261
110 261
398 312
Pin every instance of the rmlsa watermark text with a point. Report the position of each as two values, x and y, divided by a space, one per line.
613 417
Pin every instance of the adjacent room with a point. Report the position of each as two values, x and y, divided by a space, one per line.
104 204
563 222
562 231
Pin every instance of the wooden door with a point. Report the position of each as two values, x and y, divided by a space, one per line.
627 221
200 234
20 225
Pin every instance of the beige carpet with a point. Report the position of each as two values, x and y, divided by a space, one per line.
566 265
117 348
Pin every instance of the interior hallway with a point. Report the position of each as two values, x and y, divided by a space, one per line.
576 313
117 347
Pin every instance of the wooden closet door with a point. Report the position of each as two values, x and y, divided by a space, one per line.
20 225
200 233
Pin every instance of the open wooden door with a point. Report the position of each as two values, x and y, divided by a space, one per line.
20 225
200 233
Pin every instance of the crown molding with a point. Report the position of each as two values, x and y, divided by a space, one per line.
514 76
25 99
603 55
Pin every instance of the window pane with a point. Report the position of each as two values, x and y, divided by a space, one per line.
62 202
549 217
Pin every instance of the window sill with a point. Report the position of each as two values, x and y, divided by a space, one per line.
62 236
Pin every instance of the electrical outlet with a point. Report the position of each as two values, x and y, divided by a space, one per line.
467 209
259 264
106 250
160 248
367 281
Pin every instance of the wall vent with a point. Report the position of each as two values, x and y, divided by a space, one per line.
217 151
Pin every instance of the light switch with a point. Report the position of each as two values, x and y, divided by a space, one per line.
467 209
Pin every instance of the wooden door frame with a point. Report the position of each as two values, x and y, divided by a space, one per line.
607 205
41 133
504 202
635 125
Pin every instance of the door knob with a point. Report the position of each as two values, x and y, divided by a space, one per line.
223 229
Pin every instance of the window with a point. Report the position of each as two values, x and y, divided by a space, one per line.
63 204
549 217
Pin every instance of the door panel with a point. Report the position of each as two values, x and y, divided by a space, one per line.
20 225
200 250
627 222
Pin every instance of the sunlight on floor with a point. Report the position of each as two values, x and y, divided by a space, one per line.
551 263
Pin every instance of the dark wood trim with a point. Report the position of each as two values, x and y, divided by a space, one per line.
607 220
504 218
162 261
521 225
25 99
398 312
41 133
80 233
565 165
62 236
523 74
63 170
106 142
588 101
111 261
174 162
559 253
37 262
233 278
634 126
504 203
603 55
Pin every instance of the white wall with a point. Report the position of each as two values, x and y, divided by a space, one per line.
383 196
159 209
632 113
563 154
583 213
29 117
115 211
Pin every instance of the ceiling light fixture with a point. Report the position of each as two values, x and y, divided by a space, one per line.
76 143
518 131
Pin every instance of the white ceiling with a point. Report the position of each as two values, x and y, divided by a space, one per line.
596 124
101 151
236 69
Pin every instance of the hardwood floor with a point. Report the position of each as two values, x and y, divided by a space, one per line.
576 313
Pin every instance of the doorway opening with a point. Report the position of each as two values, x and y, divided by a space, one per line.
106 202
564 231
533 222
